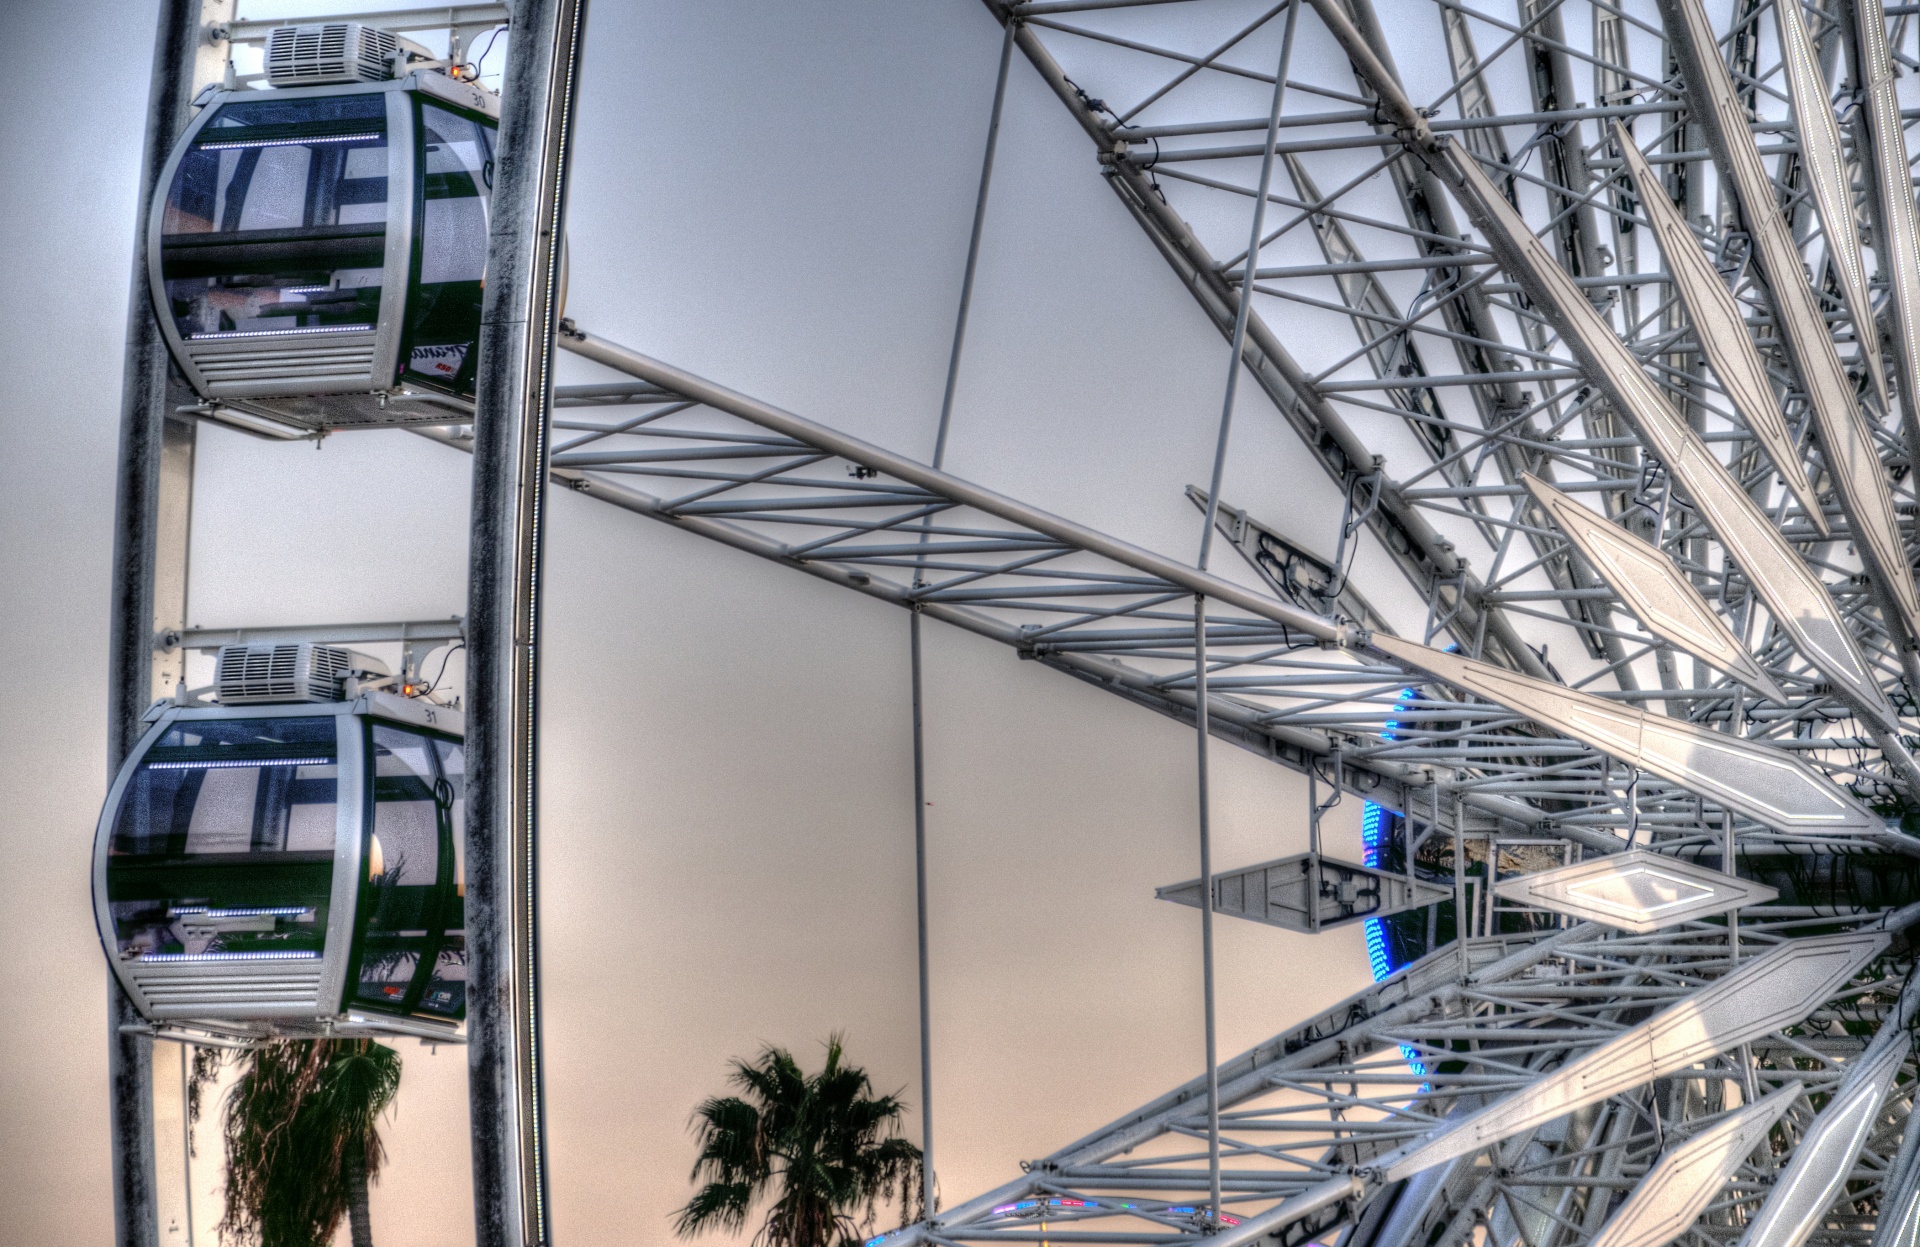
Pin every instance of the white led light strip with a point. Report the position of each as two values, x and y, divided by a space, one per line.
215 764
271 911
231 144
287 956
280 333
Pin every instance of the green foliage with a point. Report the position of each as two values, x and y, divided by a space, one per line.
302 1133
822 1145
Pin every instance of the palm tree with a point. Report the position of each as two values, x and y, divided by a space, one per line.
303 1140
821 1143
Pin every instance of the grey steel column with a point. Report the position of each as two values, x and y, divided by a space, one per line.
512 422
152 507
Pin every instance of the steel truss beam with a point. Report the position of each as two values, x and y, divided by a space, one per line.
735 470
1281 678
1324 1123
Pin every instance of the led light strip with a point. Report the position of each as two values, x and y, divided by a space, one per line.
145 958
216 764
252 912
279 333
232 144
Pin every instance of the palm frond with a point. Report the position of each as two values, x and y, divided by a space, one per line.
823 1145
297 1111
715 1206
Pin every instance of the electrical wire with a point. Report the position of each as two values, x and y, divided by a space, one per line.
480 61
453 649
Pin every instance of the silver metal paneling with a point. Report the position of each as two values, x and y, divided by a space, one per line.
1899 1222
1689 1177
243 368
1827 1153
1659 594
1721 330
1830 180
1762 783
241 990
1305 893
1853 464
1795 596
1776 989
1897 244
156 216
232 991
1638 891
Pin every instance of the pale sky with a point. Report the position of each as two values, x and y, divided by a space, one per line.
775 195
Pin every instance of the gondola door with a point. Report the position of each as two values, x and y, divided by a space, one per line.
410 946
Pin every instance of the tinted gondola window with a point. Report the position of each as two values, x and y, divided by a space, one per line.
410 894
443 319
223 847
276 220
446 991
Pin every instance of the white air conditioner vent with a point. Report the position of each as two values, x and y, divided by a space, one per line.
290 671
330 52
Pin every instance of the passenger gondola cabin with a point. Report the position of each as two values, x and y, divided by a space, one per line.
290 860
318 254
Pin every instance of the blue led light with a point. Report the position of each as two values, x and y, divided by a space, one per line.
286 956
1373 829
214 764
1373 822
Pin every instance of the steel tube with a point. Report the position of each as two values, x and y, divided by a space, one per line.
920 915
1203 770
152 509
512 425
973 248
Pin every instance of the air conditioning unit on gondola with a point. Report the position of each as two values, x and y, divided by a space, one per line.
326 53
288 672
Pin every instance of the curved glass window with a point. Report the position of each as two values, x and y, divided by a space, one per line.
223 845
413 956
443 317
445 994
276 220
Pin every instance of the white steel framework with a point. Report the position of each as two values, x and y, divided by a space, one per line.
1601 316
1665 441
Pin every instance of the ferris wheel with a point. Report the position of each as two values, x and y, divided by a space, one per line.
1603 320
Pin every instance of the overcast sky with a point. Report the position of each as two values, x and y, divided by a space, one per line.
775 195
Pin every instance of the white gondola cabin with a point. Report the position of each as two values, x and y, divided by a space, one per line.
318 252
291 868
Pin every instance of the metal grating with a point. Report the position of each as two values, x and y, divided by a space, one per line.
176 991
312 361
